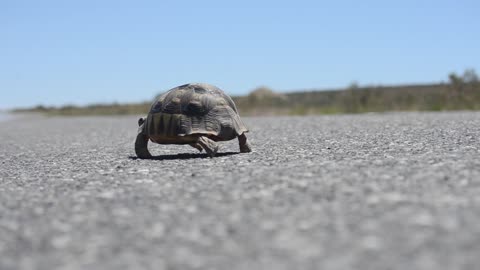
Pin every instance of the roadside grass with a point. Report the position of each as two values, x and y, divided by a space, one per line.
460 93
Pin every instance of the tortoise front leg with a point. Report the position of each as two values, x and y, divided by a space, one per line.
210 146
243 143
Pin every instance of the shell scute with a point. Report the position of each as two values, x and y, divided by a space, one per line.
194 109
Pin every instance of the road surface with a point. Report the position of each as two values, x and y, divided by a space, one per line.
371 191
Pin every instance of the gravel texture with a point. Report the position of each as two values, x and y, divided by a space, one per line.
372 191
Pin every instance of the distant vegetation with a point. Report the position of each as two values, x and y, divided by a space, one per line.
94 109
461 92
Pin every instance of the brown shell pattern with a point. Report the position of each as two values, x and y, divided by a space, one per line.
194 109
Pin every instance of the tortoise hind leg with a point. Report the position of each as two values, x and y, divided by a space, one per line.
243 143
141 142
210 146
141 146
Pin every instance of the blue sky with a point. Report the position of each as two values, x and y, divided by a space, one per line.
80 52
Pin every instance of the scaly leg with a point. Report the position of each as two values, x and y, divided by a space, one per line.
243 143
142 141
210 146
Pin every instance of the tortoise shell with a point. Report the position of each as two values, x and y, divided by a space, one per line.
185 112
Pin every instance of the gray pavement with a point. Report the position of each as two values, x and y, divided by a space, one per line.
372 191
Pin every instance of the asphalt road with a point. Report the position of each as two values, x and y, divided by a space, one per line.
373 191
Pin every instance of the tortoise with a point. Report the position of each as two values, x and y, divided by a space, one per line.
196 114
